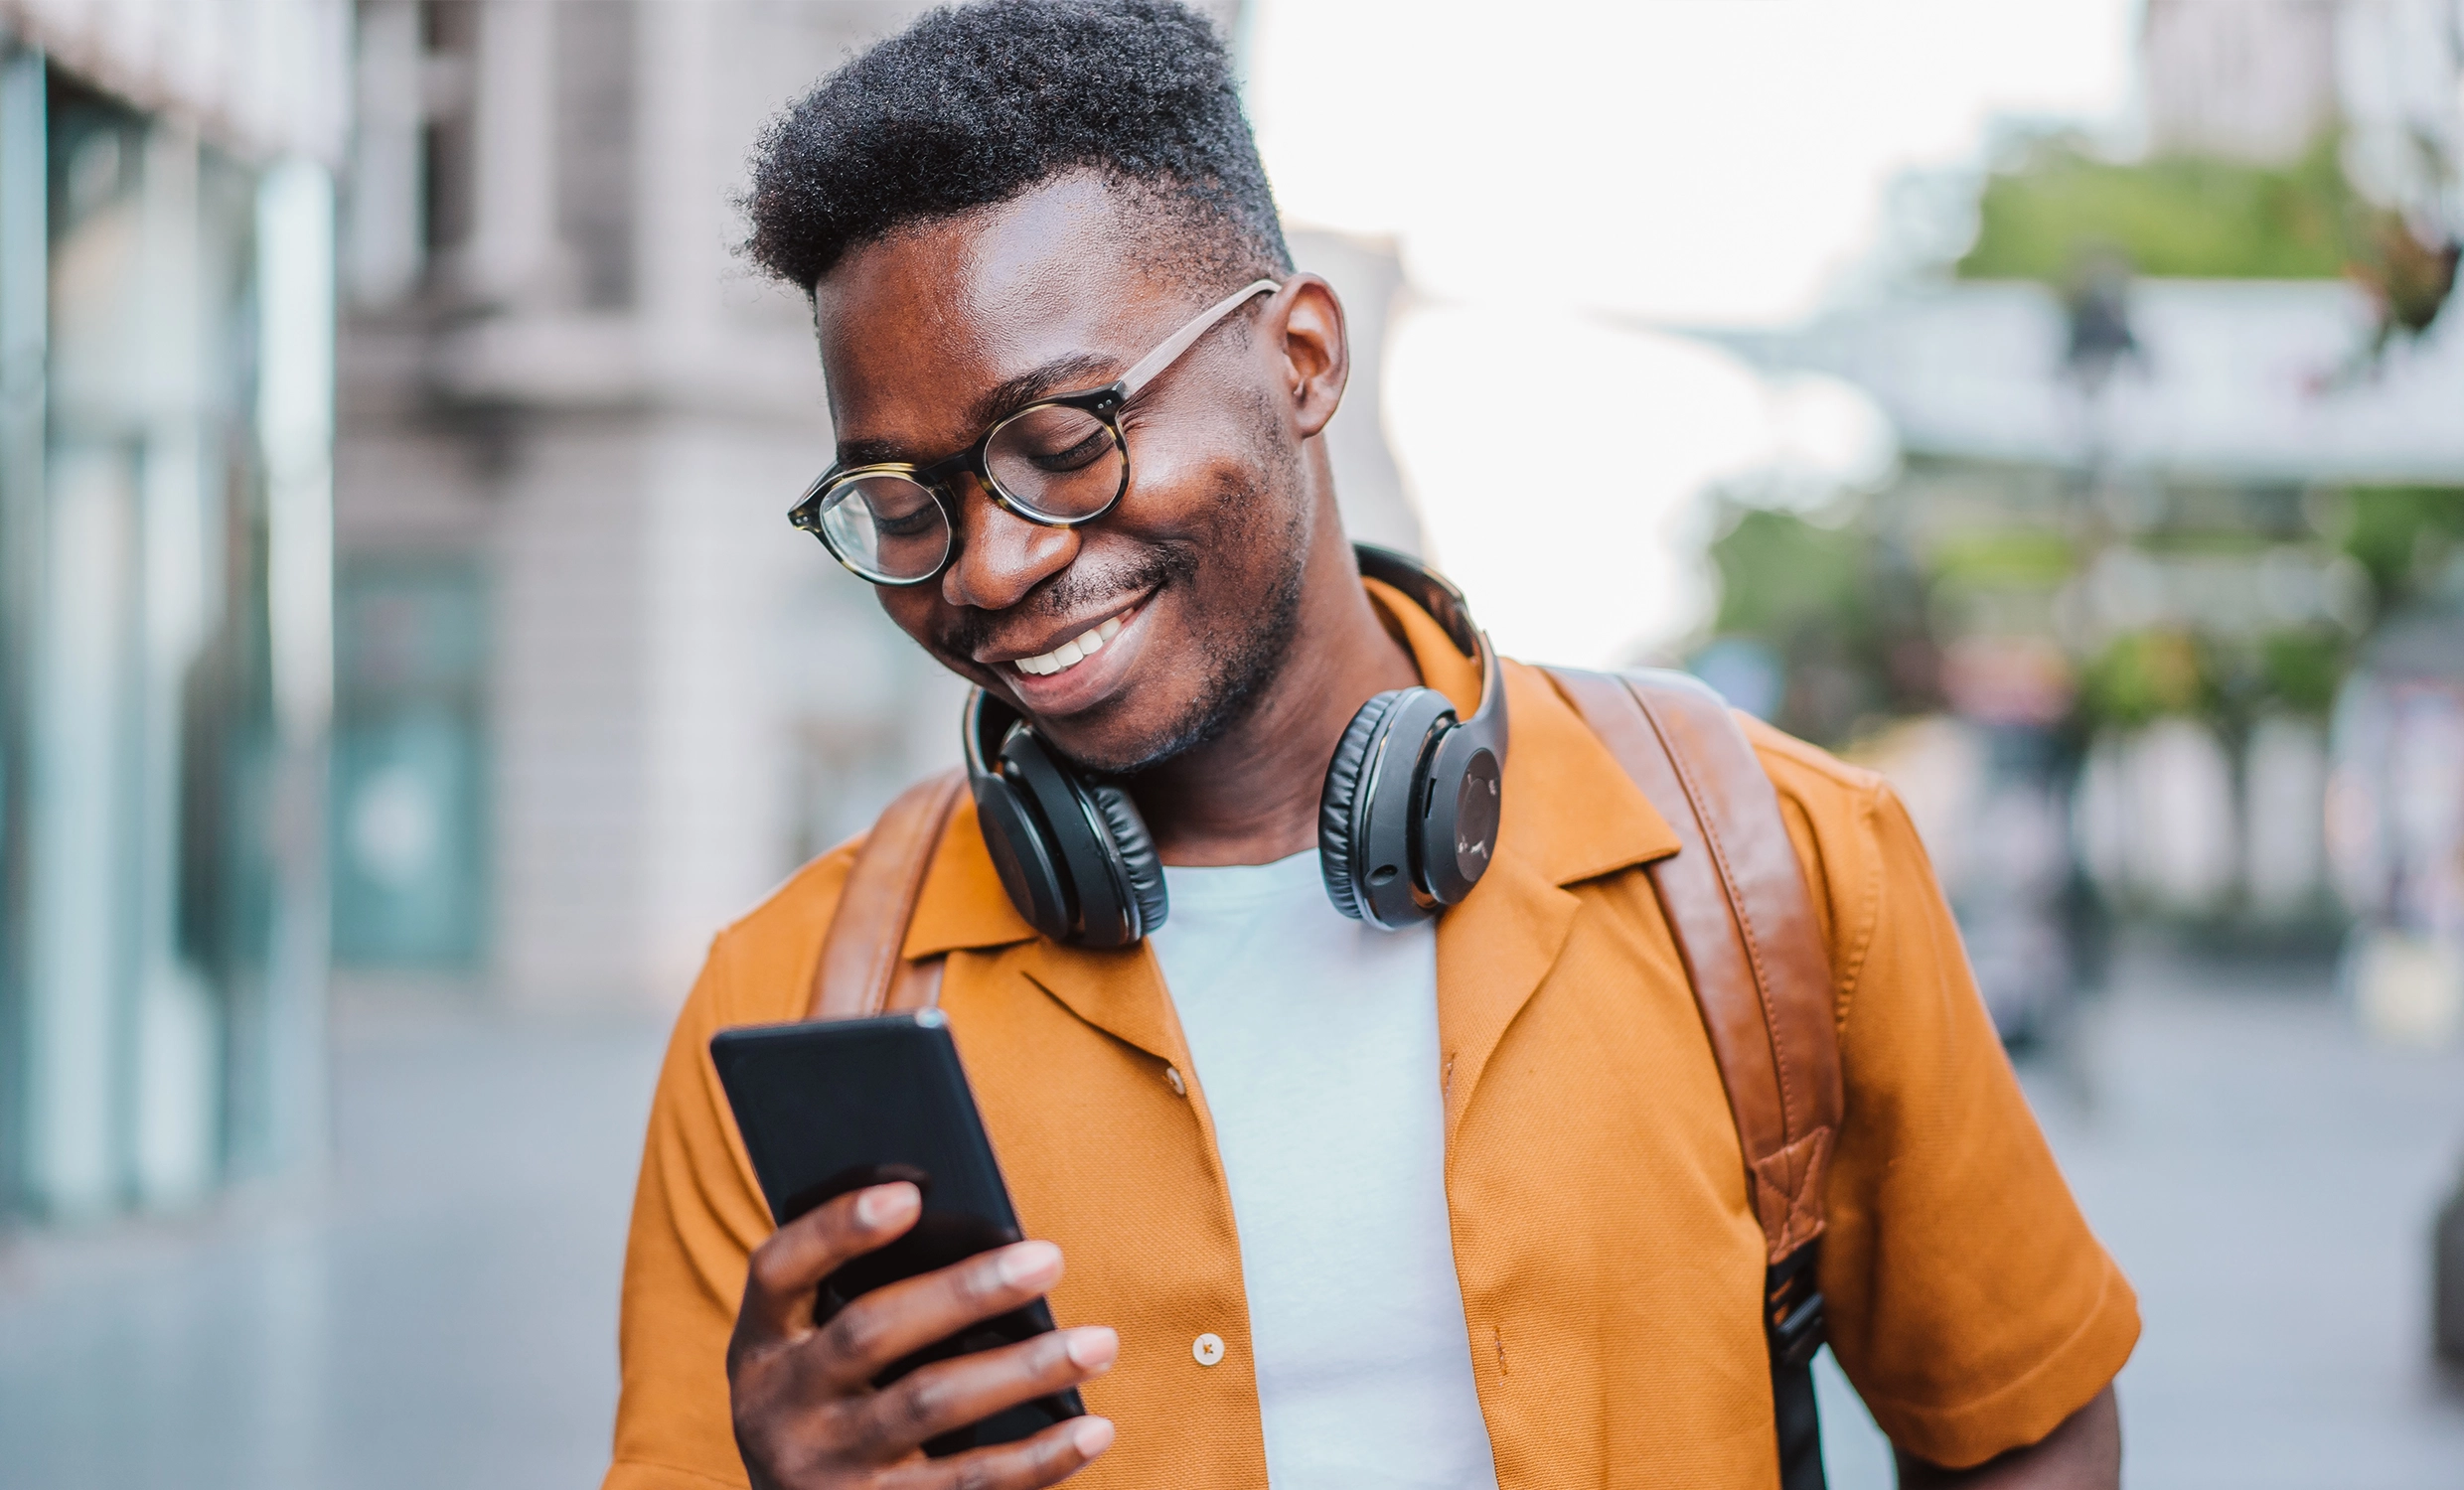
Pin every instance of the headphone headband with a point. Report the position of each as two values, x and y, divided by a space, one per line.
1435 593
1431 591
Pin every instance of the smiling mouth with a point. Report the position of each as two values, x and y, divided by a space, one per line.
1076 650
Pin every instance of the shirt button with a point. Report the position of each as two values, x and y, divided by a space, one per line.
1171 1078
1207 1348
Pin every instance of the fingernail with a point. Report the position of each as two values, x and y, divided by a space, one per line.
1029 1263
1093 1348
1091 1435
883 1204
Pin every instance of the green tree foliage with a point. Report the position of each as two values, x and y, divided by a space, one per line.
2146 674
1779 573
2183 217
2175 670
2301 670
1840 610
2405 537
2004 558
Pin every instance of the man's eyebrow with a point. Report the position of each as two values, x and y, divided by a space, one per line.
869 453
1062 374
1078 370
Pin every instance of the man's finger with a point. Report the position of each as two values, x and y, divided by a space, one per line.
1048 1458
786 1268
898 1319
950 1394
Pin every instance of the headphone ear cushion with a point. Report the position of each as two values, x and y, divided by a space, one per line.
1335 800
1137 855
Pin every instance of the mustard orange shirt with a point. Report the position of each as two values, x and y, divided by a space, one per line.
1611 1268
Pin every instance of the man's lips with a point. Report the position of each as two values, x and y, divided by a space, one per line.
1070 687
1072 644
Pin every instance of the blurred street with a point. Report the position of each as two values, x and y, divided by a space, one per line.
443 1313
2267 1178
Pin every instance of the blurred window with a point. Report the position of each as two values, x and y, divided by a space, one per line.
156 973
595 74
409 812
449 37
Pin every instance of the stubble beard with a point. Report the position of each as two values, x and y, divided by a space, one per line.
1241 664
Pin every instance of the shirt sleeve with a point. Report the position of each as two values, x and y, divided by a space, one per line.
698 1211
1968 1301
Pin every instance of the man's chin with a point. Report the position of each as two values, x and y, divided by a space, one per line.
1102 752
1131 746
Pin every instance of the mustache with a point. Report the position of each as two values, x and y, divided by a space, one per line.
1076 590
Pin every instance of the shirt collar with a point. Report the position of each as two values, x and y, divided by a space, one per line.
1569 812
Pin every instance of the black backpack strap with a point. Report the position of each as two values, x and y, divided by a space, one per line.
1735 901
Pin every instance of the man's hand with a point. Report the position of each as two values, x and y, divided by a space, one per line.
807 1415
2084 1453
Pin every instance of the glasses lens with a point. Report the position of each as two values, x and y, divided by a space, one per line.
1057 462
886 526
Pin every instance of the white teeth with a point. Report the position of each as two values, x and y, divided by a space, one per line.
1070 652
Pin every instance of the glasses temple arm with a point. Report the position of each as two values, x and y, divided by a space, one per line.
1180 341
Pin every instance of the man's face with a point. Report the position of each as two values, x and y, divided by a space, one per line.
1192 583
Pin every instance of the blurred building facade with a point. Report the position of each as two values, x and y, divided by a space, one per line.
165 253
588 690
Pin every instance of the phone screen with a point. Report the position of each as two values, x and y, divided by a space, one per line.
833 1106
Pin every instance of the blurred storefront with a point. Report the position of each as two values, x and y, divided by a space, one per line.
166 249
2395 822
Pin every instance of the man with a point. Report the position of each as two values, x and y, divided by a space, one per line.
1457 1205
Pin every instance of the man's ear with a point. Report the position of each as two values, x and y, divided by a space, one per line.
1316 351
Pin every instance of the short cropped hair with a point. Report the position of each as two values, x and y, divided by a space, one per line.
976 105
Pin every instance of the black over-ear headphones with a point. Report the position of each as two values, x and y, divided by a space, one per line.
1406 821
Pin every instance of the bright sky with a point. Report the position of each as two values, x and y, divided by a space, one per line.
1703 161
1692 162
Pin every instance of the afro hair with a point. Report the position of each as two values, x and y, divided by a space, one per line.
976 104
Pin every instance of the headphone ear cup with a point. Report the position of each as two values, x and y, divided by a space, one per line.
1459 817
1337 843
1139 864
1021 854
1081 847
1015 835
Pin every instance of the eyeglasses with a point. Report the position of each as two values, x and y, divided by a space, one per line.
1059 462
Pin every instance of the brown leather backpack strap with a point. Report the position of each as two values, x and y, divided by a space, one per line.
1736 899
861 971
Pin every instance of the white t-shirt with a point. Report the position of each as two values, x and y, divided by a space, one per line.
1316 1042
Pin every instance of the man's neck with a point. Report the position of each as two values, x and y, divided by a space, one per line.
1249 795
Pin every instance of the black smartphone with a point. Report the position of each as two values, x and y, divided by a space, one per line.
834 1105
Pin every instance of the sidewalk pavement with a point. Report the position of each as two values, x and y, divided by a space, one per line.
441 1312
2266 1176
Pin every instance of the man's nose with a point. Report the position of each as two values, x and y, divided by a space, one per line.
1001 555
